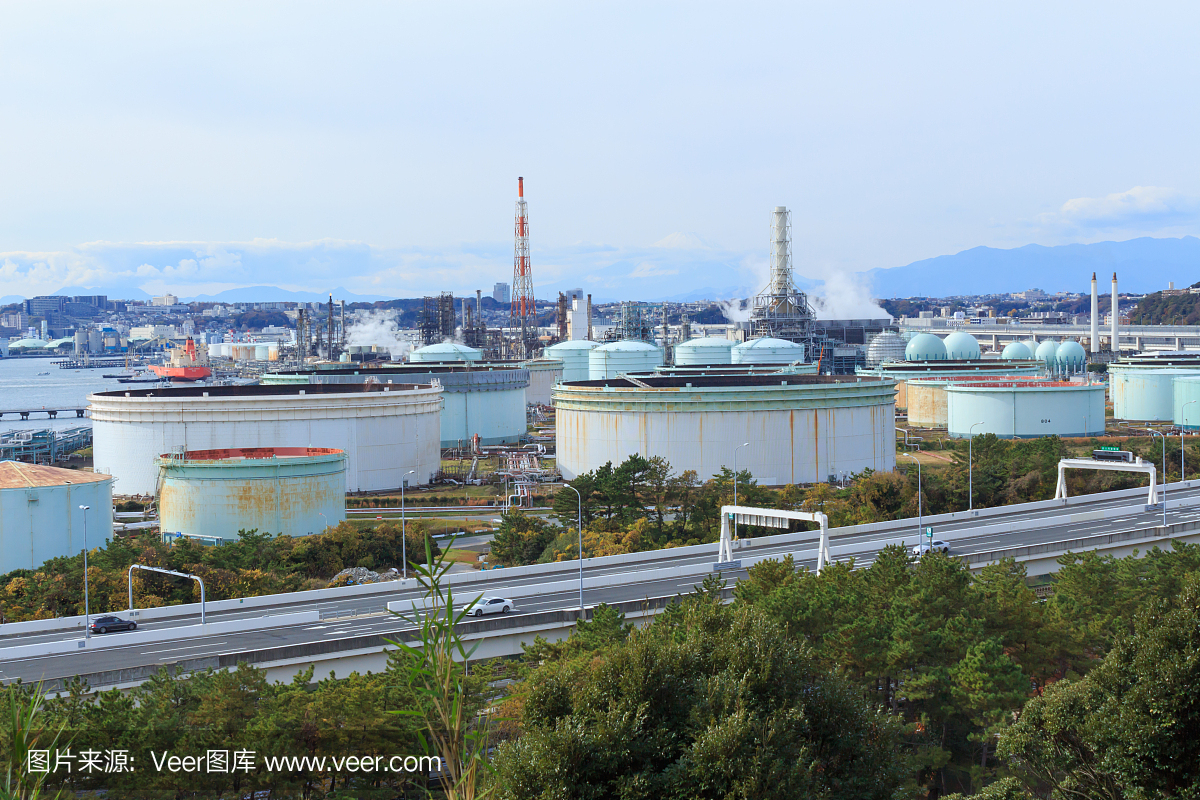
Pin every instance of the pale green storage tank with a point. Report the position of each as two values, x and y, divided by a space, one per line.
1025 409
767 350
1016 351
624 357
704 350
1071 357
573 353
1047 353
925 347
961 346
446 351
1187 402
295 491
1145 394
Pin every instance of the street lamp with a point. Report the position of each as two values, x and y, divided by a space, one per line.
1182 422
971 466
403 528
87 624
1164 466
580 524
325 519
735 479
920 522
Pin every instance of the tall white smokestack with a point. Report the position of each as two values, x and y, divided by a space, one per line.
1116 341
781 251
1095 317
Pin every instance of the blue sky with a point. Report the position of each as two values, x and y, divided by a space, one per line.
198 146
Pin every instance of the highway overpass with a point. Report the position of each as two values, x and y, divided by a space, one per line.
343 629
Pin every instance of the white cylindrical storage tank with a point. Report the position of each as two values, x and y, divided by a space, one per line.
573 354
926 402
885 348
1187 402
40 517
543 374
1145 394
767 350
1016 351
446 351
801 428
961 346
611 360
1025 409
384 430
925 347
273 351
262 352
95 341
294 491
704 350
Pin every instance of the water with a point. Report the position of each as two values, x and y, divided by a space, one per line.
21 388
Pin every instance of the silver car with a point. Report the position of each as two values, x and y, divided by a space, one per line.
925 547
490 605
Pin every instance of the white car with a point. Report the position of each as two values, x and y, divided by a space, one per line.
490 605
925 547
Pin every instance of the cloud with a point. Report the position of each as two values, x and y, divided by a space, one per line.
683 241
1149 208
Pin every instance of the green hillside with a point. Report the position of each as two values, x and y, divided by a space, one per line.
1179 309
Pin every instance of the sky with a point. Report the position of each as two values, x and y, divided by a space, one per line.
195 147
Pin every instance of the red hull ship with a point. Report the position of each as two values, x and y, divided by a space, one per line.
184 364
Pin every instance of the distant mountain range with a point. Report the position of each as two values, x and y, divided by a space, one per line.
265 294
1142 265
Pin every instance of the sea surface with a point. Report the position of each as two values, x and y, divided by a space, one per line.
23 388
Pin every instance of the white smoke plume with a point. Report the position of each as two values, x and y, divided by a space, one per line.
377 328
735 310
845 295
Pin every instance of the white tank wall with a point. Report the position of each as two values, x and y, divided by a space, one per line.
497 416
610 361
1145 394
543 374
44 522
384 434
574 355
787 445
1186 404
1025 413
703 351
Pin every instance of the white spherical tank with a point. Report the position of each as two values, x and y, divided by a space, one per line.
40 517
1031 345
961 346
611 360
1070 357
801 428
384 430
1025 409
573 353
543 374
925 347
1047 353
885 348
767 350
703 351
446 351
1016 351
294 491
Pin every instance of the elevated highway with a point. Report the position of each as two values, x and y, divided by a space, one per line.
341 630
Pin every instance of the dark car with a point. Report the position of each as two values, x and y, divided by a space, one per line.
106 624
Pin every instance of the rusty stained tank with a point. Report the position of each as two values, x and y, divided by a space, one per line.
280 490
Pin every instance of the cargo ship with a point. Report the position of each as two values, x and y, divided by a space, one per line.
184 364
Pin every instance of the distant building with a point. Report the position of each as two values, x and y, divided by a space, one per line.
573 294
501 293
1029 295
164 300
95 300
45 304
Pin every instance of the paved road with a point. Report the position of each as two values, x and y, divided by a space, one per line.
862 546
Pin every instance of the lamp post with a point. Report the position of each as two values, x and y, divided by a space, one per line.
1182 447
920 521
971 466
87 623
1164 466
403 527
579 497
735 479
325 519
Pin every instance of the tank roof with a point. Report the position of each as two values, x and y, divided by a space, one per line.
259 390
32 344
766 341
245 453
628 345
708 341
19 475
574 344
448 347
1026 385
648 381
